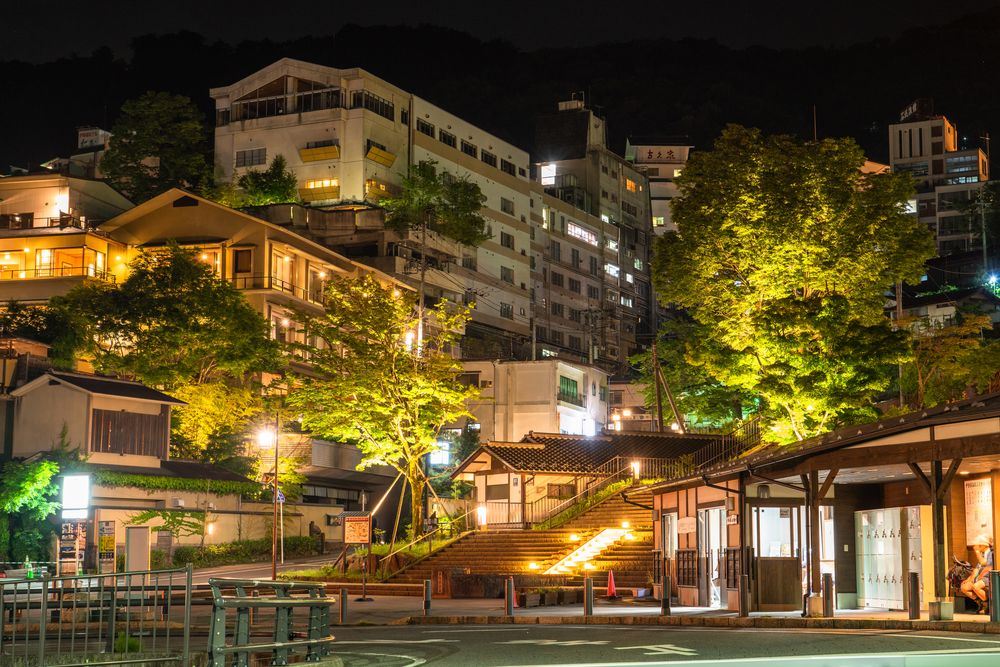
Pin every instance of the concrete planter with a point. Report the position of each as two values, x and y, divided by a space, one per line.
550 598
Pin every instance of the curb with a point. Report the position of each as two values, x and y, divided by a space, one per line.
712 622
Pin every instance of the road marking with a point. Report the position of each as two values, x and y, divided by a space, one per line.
483 630
912 635
659 649
414 662
556 642
398 641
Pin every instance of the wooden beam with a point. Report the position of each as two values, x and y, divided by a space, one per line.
827 483
948 476
921 477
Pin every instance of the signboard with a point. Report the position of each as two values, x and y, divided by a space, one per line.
357 527
75 496
106 545
732 519
91 137
72 545
670 154
687 525
978 508
281 496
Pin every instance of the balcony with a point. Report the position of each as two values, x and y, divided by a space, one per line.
56 272
313 295
578 400
320 153
20 223
381 156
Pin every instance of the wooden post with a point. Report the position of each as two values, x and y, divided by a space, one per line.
814 529
937 511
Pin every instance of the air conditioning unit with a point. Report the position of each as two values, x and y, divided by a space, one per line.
178 502
210 507
730 504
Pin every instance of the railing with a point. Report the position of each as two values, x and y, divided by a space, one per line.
303 634
452 529
574 399
270 282
97 619
56 272
687 567
14 221
729 446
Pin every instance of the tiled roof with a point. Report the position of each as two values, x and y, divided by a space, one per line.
558 453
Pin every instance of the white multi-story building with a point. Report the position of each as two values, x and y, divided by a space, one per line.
350 138
549 396
926 146
662 163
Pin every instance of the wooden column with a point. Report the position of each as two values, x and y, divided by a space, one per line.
937 530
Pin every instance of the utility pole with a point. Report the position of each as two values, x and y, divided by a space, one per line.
656 385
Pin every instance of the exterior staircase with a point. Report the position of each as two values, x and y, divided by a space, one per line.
534 551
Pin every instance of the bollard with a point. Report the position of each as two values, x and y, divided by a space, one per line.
914 601
427 596
588 596
744 591
343 606
508 596
828 595
665 597
995 596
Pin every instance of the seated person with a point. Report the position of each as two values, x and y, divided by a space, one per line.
975 585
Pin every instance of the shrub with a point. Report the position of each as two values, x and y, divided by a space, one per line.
243 551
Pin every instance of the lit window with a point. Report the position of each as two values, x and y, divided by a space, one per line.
605 218
630 185
629 278
442 455
579 232
626 301
548 174
612 270
612 244
322 183
658 221
677 172
637 263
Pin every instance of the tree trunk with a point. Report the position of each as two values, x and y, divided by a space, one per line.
417 482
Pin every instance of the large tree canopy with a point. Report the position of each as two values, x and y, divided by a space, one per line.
372 388
160 141
783 254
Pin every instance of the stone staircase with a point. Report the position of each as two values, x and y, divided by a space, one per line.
514 551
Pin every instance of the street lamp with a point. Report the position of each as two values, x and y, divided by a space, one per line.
267 438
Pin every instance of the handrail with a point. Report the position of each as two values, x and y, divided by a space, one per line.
589 491
424 536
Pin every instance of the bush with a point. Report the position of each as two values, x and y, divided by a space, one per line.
243 551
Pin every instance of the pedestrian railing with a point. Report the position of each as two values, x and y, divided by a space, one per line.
97 619
268 622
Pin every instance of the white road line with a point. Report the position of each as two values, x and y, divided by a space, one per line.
950 639
414 662
520 629
398 641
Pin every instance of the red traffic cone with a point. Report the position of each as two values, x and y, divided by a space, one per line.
612 591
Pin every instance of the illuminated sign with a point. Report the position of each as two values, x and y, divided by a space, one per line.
75 496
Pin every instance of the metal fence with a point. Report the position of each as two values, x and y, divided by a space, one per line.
132 618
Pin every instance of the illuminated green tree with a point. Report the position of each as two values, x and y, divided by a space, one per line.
370 386
782 257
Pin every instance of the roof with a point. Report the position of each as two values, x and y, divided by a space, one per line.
101 386
176 468
576 454
769 455
951 296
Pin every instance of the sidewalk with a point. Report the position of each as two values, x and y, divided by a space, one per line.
408 610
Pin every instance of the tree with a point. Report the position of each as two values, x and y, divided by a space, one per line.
160 141
439 203
783 253
274 185
179 523
174 324
946 359
371 387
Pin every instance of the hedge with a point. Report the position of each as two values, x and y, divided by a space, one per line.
243 551
248 490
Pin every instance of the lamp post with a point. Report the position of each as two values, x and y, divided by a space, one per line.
266 439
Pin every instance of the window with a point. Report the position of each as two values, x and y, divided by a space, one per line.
629 278
507 240
560 491
242 261
404 116
424 127
557 279
574 257
595 266
612 244
447 138
322 183
630 209
575 315
604 194
612 270
593 292
555 251
637 263
374 103
557 337
507 206
630 185
616 397
658 221
508 167
575 343
469 262
557 309
470 149
568 387
488 158
121 432
604 394
626 301
507 274
251 158
579 232
497 492
507 310
322 143
574 285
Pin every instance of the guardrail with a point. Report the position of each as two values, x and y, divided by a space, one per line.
229 644
97 619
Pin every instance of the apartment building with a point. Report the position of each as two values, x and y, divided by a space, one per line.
350 138
611 197
947 178
662 162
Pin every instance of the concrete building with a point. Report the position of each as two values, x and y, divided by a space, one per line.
350 139
549 395
926 146
574 165
661 162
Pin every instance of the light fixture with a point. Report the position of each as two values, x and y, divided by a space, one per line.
626 412
322 274
204 256
635 472
266 438
481 514
532 566
574 537
626 525
285 322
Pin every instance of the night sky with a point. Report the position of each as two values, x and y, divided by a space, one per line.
43 30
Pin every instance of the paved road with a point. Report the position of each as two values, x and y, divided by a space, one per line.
259 570
624 646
